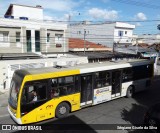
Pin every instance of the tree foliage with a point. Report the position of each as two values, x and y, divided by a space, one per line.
158 27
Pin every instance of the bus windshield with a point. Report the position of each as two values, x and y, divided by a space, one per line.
14 93
14 90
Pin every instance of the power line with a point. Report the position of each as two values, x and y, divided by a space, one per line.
80 22
138 3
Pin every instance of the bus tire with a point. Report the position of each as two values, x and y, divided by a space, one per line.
130 92
62 110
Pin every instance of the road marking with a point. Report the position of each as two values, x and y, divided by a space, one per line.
4 115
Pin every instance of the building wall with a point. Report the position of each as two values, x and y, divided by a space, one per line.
10 45
105 34
127 35
54 44
12 26
149 38
29 12
102 33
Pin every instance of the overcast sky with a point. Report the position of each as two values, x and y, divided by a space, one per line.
98 10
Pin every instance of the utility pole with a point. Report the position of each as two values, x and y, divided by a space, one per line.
84 41
136 45
114 47
114 43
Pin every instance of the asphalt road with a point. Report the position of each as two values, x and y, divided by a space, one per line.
119 111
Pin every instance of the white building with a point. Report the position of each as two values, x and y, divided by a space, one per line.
24 12
105 34
149 38
20 34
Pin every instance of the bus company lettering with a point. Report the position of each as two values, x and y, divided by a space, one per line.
102 90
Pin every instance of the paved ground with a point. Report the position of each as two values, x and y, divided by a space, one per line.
3 104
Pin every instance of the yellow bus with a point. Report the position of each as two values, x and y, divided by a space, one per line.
44 93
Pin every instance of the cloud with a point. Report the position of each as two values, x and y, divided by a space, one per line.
140 16
64 17
138 24
103 14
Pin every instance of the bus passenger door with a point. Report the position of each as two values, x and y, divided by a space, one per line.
116 83
86 90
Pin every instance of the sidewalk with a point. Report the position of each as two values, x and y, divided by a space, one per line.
3 103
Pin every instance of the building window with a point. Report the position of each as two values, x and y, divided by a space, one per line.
48 37
18 37
120 33
4 36
58 36
125 32
79 32
59 40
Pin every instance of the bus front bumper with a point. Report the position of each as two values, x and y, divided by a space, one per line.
17 120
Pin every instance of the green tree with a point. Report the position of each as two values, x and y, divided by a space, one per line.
158 27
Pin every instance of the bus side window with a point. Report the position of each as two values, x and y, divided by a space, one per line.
77 84
54 88
55 92
107 80
98 84
41 91
66 85
24 96
33 92
30 94
127 74
69 83
103 79
54 83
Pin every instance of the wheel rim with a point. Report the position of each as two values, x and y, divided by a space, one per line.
62 110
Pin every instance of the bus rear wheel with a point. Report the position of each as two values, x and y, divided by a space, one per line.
130 92
62 110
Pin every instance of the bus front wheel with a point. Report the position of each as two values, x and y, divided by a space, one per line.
130 92
62 110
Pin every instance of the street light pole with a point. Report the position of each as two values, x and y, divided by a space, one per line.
84 41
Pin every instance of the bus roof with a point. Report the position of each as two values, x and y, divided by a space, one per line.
89 67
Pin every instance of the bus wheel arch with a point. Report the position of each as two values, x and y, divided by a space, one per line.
130 91
63 109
